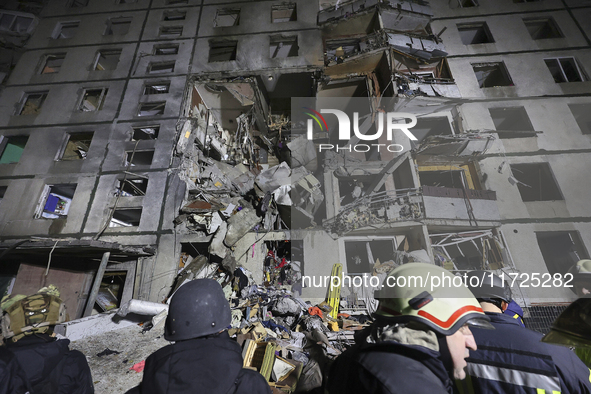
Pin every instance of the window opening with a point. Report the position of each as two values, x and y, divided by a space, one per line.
53 63
535 182
282 47
226 17
76 146
152 109
157 88
283 13
492 75
55 201
222 51
564 69
475 33
145 133
12 148
92 100
32 103
107 60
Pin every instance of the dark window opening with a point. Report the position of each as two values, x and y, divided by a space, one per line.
56 201
582 114
145 133
53 63
166 49
118 26
171 2
139 158
284 13
66 30
226 17
426 127
32 103
475 33
452 178
126 1
222 51
525 1
76 147
78 3
363 255
512 122
564 69
170 31
157 88
536 182
468 3
92 100
282 47
542 28
151 109
107 60
110 291
561 250
12 148
161 68
128 217
175 15
492 74
2 191
132 187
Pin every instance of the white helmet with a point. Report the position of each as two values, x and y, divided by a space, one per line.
430 295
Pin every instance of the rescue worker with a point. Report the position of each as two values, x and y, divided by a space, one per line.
418 341
203 359
47 363
511 358
573 328
515 311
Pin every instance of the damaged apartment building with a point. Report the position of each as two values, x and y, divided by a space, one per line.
138 137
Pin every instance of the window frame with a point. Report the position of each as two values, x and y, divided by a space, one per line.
101 99
46 58
25 99
98 56
60 27
582 75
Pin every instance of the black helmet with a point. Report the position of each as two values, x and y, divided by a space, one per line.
488 287
573 326
197 309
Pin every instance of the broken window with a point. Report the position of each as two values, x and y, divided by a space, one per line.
76 146
222 51
281 46
475 33
11 148
363 255
145 133
117 26
132 186
470 250
151 109
283 12
14 23
226 17
170 31
55 201
175 15
582 114
157 88
92 99
65 30
126 217
52 63
161 67
139 158
453 178
535 182
492 74
32 103
561 250
168 49
565 69
107 60
512 122
541 28
468 3
77 3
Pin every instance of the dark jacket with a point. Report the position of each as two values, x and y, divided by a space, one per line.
50 363
210 365
12 377
511 358
388 367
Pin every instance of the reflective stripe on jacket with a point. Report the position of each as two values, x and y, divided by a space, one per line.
512 359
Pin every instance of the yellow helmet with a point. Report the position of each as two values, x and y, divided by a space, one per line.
430 295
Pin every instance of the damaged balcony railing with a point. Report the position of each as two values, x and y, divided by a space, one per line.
378 209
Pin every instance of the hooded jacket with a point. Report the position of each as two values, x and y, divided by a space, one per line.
208 365
400 363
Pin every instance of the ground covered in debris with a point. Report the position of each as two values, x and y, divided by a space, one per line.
128 346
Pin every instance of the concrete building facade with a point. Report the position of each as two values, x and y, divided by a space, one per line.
116 114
